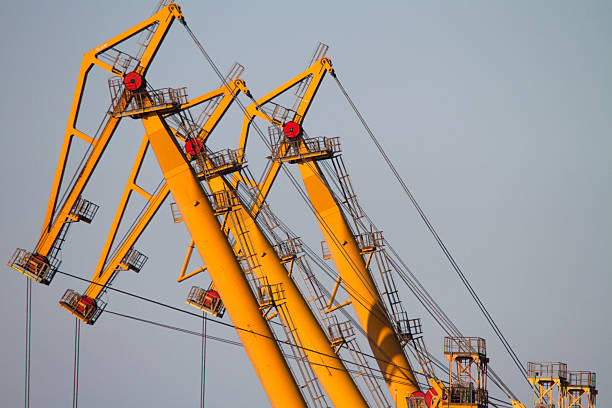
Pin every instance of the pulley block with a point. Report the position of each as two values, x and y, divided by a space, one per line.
133 81
194 146
292 130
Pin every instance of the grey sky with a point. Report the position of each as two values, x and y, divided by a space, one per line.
497 114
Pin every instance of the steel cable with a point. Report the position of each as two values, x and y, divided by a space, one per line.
237 328
75 372
28 340
203 362
433 231
218 322
302 193
440 242
424 298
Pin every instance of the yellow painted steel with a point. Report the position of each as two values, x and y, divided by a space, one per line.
516 404
316 72
353 271
365 298
440 394
184 275
223 268
105 271
328 368
52 225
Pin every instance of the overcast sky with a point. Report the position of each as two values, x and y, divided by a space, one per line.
497 115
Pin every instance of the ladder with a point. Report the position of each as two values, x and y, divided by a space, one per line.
252 268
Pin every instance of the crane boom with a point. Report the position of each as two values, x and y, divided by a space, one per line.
242 307
132 97
294 312
365 299
42 263
345 251
126 257
239 239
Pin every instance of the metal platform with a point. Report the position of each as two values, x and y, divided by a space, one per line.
305 149
83 307
208 165
224 201
289 249
340 333
367 242
269 295
34 266
546 371
458 346
136 104
134 260
208 301
84 210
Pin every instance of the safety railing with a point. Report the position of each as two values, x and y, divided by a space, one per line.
84 210
176 214
83 307
340 331
582 379
408 328
127 103
223 201
416 402
547 370
32 265
289 248
269 294
218 163
368 241
468 395
465 345
134 260
298 149
206 300
279 113
120 61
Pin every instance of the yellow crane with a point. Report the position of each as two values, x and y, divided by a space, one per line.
251 270
293 146
133 97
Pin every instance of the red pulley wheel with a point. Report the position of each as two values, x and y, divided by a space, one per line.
292 130
194 146
213 294
133 81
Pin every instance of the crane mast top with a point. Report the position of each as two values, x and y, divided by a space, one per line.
250 256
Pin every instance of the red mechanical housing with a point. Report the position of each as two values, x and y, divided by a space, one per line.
85 305
194 146
133 81
211 297
292 130
36 263
431 393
